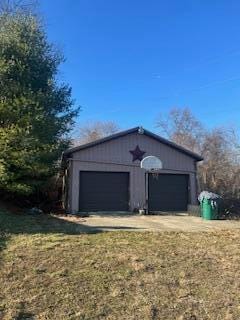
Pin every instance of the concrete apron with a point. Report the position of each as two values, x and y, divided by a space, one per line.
164 222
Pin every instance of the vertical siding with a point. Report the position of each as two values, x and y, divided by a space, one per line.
114 156
117 151
136 181
193 189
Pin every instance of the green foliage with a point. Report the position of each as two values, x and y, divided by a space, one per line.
36 112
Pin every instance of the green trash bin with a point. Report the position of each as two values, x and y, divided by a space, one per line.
209 209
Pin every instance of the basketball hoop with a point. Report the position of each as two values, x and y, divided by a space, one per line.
151 164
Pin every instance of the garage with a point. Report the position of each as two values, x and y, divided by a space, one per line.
104 191
107 174
167 192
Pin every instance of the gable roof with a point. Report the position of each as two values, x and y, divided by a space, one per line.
139 130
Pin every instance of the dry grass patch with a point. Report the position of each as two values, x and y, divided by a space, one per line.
50 271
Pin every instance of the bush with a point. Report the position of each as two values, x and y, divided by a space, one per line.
230 209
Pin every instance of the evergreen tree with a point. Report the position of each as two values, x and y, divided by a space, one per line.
36 112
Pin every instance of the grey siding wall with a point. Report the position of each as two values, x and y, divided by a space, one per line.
114 156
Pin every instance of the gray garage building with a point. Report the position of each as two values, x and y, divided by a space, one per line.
105 175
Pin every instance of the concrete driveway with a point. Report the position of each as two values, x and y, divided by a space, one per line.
177 222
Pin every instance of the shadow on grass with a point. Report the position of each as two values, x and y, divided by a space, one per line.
169 213
25 315
22 314
13 224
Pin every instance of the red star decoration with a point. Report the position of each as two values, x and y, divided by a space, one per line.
137 154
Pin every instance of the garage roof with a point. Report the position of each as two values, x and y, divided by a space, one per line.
139 130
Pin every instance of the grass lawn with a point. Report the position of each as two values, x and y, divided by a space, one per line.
50 271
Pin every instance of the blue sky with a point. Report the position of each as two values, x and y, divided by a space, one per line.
128 61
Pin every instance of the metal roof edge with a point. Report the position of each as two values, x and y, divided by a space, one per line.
129 131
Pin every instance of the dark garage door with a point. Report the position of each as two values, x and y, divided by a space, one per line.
168 192
103 191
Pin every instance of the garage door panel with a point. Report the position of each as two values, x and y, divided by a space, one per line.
168 192
104 191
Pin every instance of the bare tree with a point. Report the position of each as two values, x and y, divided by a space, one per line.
12 6
95 130
221 167
220 170
182 127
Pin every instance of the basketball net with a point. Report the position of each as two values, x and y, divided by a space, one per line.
155 174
